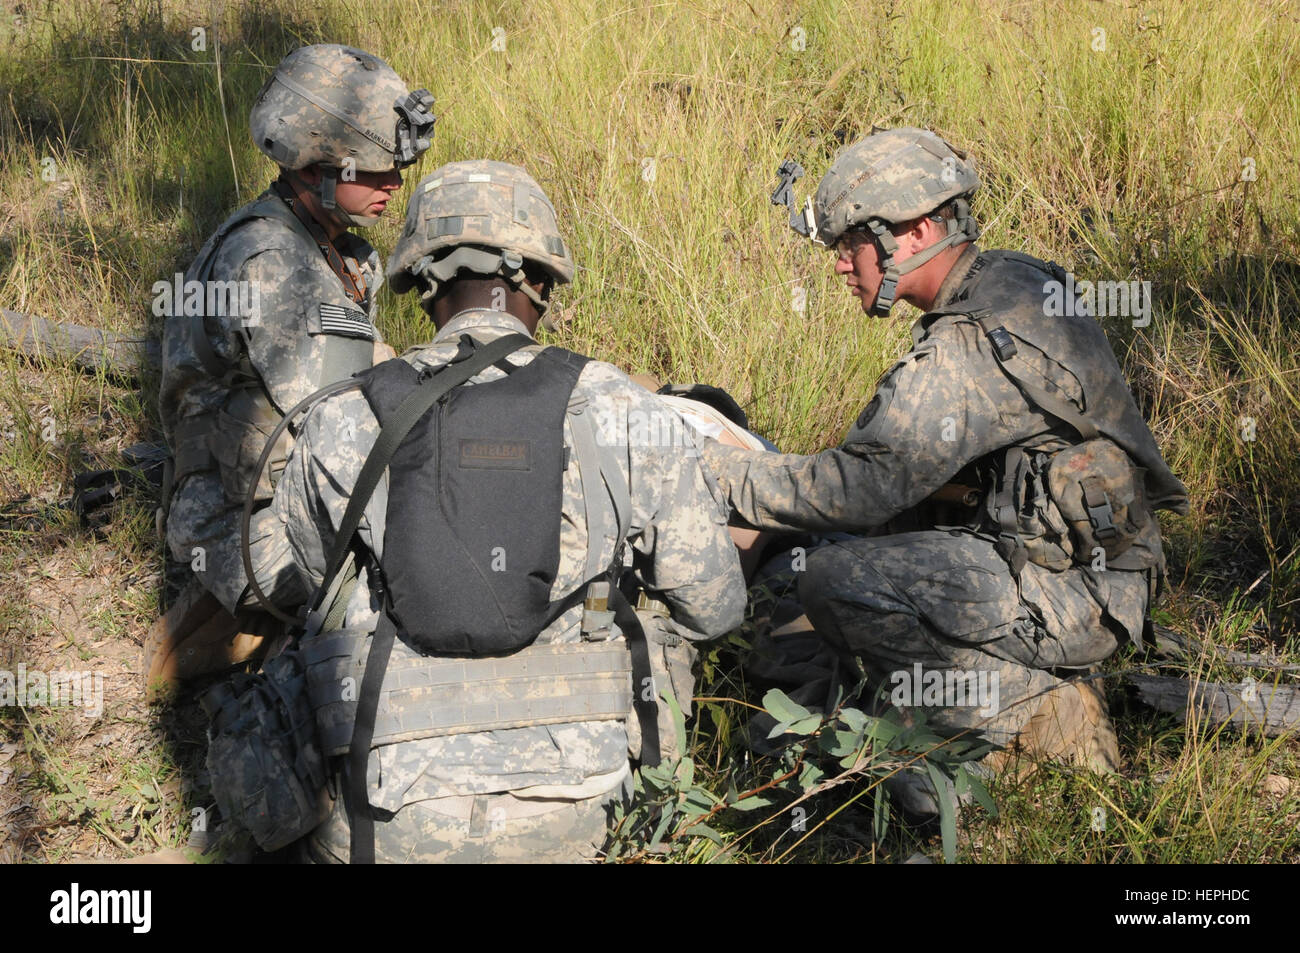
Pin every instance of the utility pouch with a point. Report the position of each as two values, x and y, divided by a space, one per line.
1039 526
238 436
268 775
672 661
1099 494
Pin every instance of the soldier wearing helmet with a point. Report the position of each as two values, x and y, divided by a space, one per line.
284 304
1002 469
487 614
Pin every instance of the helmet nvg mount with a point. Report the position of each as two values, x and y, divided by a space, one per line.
890 177
343 109
479 217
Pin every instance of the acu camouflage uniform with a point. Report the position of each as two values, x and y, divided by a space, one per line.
535 793
227 378
936 582
227 381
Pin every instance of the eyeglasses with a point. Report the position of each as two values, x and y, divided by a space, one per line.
848 244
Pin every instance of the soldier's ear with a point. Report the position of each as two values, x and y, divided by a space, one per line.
542 287
921 233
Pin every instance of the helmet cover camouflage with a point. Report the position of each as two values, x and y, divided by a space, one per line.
482 204
342 107
892 176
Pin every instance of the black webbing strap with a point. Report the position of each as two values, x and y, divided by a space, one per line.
361 819
1009 545
404 418
647 709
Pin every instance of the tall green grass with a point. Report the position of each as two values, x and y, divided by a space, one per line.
1130 161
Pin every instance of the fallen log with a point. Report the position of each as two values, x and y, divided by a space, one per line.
1272 710
119 355
1170 644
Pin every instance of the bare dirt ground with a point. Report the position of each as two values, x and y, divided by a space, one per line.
105 778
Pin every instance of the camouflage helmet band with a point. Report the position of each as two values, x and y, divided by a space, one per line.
479 204
380 140
483 262
342 107
325 192
961 228
895 176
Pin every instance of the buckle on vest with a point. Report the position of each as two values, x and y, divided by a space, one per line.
1100 512
648 603
1002 343
597 617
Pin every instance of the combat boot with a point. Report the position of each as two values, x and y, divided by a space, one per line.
1070 726
197 636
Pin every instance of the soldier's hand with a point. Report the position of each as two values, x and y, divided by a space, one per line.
383 352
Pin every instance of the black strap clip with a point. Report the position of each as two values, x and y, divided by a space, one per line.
1003 343
1100 513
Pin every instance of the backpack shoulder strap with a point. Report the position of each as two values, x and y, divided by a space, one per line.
1004 348
606 603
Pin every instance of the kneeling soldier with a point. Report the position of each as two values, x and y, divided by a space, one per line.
482 671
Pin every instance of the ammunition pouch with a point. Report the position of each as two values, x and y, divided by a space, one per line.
236 438
1081 505
1101 496
268 774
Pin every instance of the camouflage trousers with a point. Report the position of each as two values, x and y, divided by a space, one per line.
940 623
203 532
477 829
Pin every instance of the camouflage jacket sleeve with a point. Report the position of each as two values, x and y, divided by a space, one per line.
317 483
305 331
945 404
684 552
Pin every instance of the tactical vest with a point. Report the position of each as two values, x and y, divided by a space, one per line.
1090 486
248 414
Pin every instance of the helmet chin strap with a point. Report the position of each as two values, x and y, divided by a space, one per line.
325 193
961 228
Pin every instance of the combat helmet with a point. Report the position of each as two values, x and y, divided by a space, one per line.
342 108
479 217
890 177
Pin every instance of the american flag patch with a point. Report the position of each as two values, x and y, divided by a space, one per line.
345 321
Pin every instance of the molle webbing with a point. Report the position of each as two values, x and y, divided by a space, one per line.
426 697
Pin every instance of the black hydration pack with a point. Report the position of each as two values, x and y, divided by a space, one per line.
476 477
474 498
